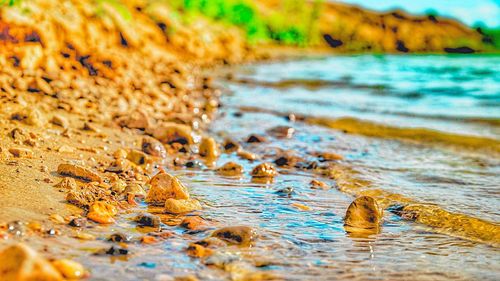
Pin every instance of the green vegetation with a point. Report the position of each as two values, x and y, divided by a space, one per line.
491 36
9 2
294 24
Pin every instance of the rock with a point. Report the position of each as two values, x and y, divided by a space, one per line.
119 238
363 213
78 222
173 133
113 251
119 166
60 121
21 263
21 152
287 160
194 164
69 269
301 207
211 242
66 149
264 170
85 196
246 155
174 206
198 251
192 222
87 126
328 156
29 116
78 172
148 220
230 169
135 189
137 157
208 148
230 146
165 186
239 235
153 147
316 184
102 212
256 139
281 131
137 120
287 191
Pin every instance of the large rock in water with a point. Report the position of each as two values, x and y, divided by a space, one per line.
21 263
165 186
363 213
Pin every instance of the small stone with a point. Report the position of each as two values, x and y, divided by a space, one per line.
119 238
301 207
153 147
101 212
78 222
87 126
316 184
264 170
66 149
29 116
282 131
113 251
174 206
230 146
84 236
239 235
192 222
137 120
21 152
137 157
20 262
173 133
148 220
165 186
119 166
208 148
57 218
363 213
69 269
60 121
78 172
287 191
246 155
328 156
230 169
256 139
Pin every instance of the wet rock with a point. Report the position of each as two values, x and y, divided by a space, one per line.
208 148
85 196
186 278
281 131
192 222
135 189
239 235
102 212
264 170
194 164
153 147
328 156
198 251
286 160
301 207
78 222
16 228
87 126
29 116
174 206
317 184
113 251
230 169
363 213
21 152
211 242
221 259
20 262
246 155
148 220
165 186
137 157
119 238
256 139
173 133
69 269
78 172
119 166
230 146
60 121
287 191
137 120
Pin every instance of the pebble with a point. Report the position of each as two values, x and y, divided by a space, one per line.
101 212
148 220
317 184
21 152
29 116
153 147
78 222
240 235
119 238
173 133
256 139
328 156
66 149
281 131
165 186
180 206
363 213
192 222
246 155
78 172
69 269
208 148
230 169
264 170
137 157
60 121
230 146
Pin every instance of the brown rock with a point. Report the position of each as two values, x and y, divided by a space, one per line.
21 152
137 157
256 139
67 183
102 212
317 184
230 146
60 121
246 155
175 206
363 213
264 170
29 116
153 147
173 133
21 263
165 186
192 222
208 148
78 172
230 169
137 120
240 235
281 131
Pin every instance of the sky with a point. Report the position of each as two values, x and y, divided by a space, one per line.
468 11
